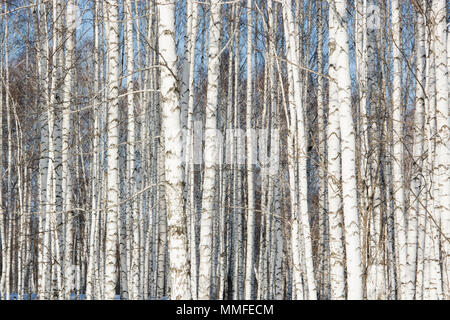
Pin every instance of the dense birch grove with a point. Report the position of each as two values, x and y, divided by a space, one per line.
248 149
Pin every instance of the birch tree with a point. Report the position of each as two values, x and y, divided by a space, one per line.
348 153
443 137
177 243
112 214
250 251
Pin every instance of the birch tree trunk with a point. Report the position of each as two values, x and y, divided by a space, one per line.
417 212
250 248
348 153
337 258
69 284
132 217
443 137
176 217
112 213
211 156
301 143
397 166
192 28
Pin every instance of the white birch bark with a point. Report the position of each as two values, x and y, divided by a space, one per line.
132 216
112 213
66 152
417 192
276 245
302 155
238 288
211 156
192 19
432 286
93 230
442 176
292 125
250 247
176 218
323 272
397 160
348 153
337 259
